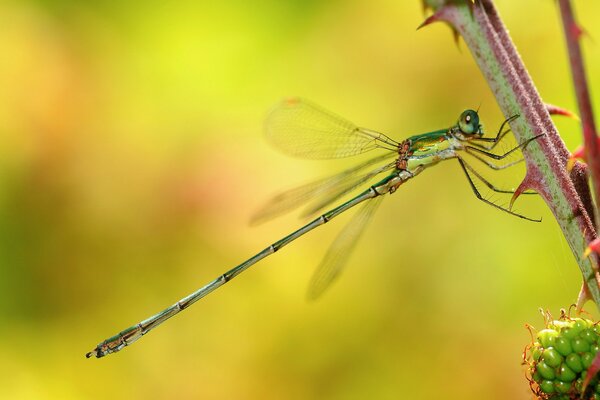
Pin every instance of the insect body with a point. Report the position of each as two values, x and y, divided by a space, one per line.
303 129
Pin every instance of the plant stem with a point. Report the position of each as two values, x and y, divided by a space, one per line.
592 151
487 38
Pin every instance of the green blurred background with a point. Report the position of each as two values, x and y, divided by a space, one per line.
132 157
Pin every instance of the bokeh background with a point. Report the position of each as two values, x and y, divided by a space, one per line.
132 158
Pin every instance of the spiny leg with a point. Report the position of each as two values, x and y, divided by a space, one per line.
499 136
475 153
493 166
471 149
491 185
491 147
480 197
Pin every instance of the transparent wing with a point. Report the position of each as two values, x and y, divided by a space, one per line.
302 129
329 189
339 252
349 185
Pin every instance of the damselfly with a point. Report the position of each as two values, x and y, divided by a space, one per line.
303 129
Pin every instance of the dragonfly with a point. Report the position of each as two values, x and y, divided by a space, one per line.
303 129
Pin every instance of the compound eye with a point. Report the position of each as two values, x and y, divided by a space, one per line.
469 122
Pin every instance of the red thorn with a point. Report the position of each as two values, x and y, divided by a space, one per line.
556 110
437 16
576 31
593 246
524 186
429 20
578 153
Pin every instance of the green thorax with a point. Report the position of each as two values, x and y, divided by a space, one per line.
429 143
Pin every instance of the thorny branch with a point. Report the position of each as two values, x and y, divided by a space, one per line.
567 195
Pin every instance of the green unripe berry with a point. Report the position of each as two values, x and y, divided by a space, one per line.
579 324
560 356
547 386
547 337
545 371
552 357
588 335
574 362
562 387
586 360
569 333
565 374
579 345
563 346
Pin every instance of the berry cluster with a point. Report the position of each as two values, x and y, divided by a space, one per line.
559 359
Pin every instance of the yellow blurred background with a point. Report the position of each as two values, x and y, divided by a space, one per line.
132 157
